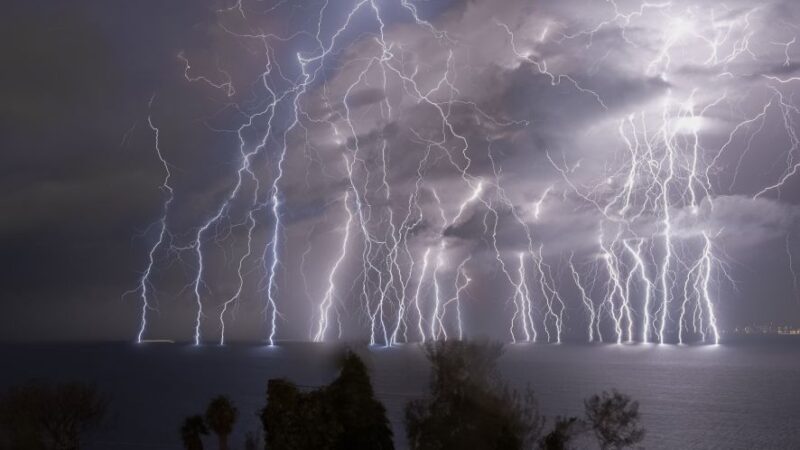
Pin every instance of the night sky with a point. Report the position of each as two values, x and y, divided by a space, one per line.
480 133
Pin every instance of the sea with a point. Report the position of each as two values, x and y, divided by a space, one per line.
739 395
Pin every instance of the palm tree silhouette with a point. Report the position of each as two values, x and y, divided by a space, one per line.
192 431
220 417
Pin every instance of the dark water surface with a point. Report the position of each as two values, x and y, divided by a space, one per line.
738 396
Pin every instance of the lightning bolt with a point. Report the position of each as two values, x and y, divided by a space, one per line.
144 281
654 271
327 299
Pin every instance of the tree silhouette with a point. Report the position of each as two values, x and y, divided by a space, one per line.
341 416
297 420
469 406
220 418
614 419
39 416
192 432
361 418
564 430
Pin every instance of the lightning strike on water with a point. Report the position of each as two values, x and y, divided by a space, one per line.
426 166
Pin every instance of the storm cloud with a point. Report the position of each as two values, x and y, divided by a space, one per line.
542 104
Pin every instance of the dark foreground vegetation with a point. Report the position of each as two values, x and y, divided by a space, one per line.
468 406
38 416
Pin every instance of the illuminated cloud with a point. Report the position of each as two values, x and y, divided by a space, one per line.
476 133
